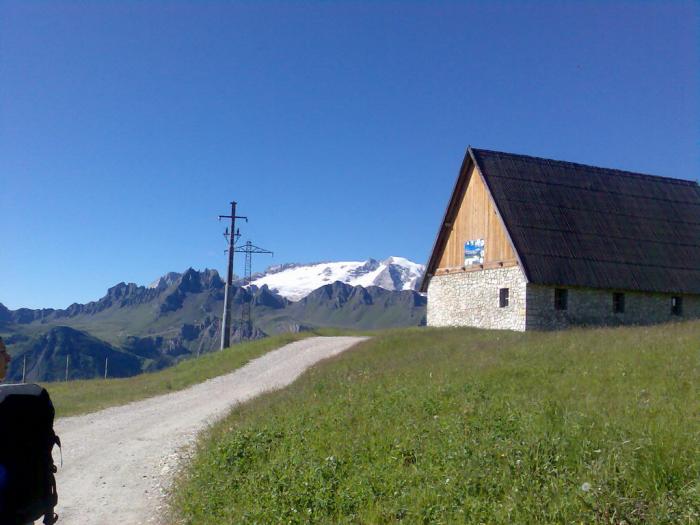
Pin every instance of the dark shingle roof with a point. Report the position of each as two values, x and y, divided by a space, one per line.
583 226
577 225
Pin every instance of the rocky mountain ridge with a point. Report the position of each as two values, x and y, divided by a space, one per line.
150 327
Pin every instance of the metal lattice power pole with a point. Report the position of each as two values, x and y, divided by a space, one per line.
249 249
226 319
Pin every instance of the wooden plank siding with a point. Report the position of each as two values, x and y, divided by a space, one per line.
477 219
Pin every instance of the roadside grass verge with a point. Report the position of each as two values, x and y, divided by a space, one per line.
80 397
466 426
336 332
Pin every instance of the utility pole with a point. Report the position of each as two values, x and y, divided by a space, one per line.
24 368
67 364
226 318
249 249
106 363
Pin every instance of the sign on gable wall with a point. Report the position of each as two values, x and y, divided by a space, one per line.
474 252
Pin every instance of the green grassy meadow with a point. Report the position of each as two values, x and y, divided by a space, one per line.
466 426
79 397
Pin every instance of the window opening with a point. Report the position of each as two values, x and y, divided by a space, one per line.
677 305
618 303
561 298
503 297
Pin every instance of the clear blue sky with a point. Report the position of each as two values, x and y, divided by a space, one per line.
126 127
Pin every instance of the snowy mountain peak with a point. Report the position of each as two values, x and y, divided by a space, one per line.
295 281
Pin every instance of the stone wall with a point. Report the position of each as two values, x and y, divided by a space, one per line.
588 307
472 299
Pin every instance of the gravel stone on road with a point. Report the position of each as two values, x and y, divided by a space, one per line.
118 463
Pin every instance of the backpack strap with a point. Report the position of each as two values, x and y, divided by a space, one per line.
57 441
50 517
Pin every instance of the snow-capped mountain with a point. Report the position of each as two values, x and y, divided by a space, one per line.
295 281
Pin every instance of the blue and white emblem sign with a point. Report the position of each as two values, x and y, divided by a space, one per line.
474 252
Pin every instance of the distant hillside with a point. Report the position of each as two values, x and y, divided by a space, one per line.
339 304
180 315
47 355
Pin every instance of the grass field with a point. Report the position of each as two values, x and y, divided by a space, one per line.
466 426
79 397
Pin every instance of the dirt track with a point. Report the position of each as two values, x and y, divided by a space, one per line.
117 463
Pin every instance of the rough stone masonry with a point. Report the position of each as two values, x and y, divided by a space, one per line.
471 298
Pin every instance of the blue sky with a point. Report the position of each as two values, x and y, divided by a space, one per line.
339 127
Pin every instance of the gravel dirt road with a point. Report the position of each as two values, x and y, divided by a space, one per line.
118 463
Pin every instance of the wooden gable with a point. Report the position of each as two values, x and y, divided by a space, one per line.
476 219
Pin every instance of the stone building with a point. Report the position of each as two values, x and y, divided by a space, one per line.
530 243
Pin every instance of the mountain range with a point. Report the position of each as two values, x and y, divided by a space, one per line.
143 328
295 281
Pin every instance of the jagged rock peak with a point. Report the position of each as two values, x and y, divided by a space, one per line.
5 314
123 290
190 281
166 280
207 278
265 297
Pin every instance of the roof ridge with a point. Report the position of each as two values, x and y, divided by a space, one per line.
625 173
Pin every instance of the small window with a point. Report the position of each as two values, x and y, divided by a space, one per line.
561 298
503 297
618 302
677 305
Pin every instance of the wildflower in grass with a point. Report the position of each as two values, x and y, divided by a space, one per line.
586 487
